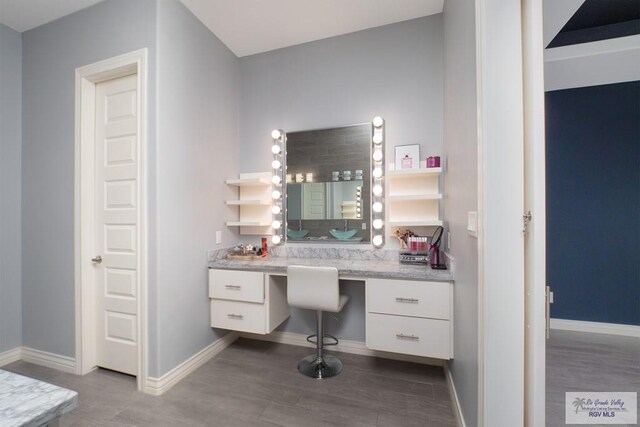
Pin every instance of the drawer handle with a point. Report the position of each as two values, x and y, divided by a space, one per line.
407 337
409 300
234 287
235 316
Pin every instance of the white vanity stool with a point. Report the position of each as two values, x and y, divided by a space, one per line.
316 288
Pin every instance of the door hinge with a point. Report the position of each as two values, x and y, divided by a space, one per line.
548 299
526 219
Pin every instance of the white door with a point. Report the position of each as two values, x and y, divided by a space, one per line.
314 201
116 215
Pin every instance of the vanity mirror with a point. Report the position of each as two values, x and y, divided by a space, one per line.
325 183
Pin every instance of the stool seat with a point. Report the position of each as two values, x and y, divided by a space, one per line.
316 288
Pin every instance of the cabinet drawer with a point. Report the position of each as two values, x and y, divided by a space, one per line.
409 335
408 298
238 316
236 285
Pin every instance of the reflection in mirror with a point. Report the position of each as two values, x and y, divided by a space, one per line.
328 184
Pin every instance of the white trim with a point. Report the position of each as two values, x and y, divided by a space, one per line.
601 47
596 327
10 356
457 409
344 346
50 360
86 78
158 386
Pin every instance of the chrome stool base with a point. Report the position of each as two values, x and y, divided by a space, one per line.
320 367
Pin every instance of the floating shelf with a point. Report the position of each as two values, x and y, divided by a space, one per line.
410 173
411 197
249 182
247 224
248 203
433 223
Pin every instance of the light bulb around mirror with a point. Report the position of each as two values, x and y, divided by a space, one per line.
378 121
275 239
275 134
377 156
276 195
276 210
276 224
377 138
276 179
377 172
377 189
275 149
276 164
377 240
377 224
377 207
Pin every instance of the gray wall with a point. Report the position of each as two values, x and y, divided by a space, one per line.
51 53
197 151
10 141
395 71
461 193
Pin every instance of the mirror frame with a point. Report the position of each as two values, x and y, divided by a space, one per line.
376 189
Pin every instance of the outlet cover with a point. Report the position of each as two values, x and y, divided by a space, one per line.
218 237
472 223
364 225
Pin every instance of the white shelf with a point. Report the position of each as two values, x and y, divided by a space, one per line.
247 224
413 197
248 182
248 203
412 173
431 223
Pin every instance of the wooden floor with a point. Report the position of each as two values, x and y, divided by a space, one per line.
254 383
578 361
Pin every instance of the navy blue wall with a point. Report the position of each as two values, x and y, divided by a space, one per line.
593 202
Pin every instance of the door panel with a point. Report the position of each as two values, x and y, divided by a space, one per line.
116 225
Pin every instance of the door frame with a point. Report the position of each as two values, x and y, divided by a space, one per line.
86 79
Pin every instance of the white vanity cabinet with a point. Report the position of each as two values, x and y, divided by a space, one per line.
247 301
410 317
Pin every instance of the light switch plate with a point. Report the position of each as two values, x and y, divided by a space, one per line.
448 240
218 237
364 225
472 223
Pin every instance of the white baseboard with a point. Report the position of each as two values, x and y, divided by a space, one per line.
345 346
50 360
10 356
596 327
454 398
158 386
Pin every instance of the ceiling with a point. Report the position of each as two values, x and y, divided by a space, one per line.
251 26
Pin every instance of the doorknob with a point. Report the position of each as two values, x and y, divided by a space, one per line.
97 259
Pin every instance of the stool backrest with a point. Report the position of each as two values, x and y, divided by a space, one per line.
313 288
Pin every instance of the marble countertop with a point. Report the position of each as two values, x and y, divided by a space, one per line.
347 268
28 402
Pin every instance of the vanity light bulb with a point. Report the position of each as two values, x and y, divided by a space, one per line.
276 210
275 149
377 240
377 190
378 121
276 194
276 224
377 138
377 224
276 164
377 156
275 239
276 179
275 134
377 172
377 207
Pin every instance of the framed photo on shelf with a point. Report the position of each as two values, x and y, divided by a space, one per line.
407 156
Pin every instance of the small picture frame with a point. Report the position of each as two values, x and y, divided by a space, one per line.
407 156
